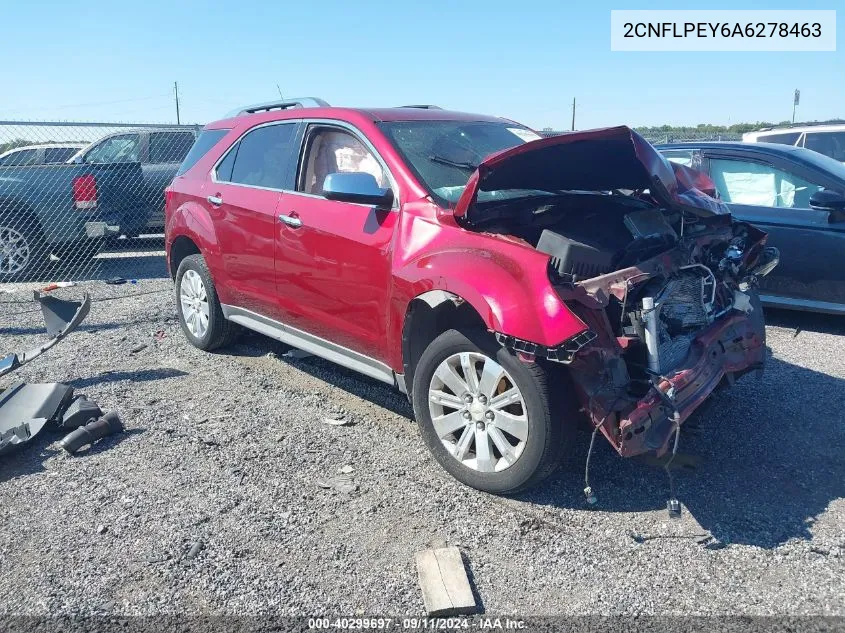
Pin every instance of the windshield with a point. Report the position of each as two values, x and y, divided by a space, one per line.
445 153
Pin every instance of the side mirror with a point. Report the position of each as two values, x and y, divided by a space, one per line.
827 200
357 187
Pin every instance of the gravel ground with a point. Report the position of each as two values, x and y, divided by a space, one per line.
226 450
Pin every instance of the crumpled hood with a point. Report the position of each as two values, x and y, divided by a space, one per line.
594 160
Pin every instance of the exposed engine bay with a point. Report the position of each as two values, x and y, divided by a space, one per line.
669 297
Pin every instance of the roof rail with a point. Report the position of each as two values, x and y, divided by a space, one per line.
423 107
790 126
266 106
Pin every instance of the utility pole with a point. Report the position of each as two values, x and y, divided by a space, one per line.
176 89
573 114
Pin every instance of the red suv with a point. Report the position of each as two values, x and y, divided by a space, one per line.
507 283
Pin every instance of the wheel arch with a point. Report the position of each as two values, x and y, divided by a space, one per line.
182 247
427 316
12 205
190 230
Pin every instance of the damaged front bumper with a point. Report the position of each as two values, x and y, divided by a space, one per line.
728 348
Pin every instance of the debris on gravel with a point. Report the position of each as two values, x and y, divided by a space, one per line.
224 449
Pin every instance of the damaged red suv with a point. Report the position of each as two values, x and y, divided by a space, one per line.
508 284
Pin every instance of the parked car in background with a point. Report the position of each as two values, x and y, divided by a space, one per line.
160 152
827 139
503 281
798 197
64 209
44 154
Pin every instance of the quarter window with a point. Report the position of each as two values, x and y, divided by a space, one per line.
332 151
170 147
761 185
205 141
261 158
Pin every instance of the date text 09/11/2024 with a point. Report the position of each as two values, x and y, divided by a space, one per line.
418 623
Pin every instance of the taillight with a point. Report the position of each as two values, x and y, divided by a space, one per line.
85 192
168 198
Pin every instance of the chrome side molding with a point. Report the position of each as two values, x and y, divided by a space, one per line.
314 344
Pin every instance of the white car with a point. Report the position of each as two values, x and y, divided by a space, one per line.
46 154
824 139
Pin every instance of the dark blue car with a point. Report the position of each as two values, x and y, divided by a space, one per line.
797 196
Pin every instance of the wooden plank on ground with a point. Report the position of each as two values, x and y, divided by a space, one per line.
444 582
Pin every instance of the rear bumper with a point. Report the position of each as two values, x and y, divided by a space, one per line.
730 347
98 230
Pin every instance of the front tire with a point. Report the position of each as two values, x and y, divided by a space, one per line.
198 307
488 418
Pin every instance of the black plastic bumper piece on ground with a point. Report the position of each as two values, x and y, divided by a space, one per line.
26 409
81 411
61 317
108 424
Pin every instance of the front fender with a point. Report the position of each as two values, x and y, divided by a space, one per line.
509 290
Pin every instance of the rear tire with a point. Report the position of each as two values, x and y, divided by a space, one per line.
509 432
23 251
198 307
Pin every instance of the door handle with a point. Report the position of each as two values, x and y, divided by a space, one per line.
291 220
215 200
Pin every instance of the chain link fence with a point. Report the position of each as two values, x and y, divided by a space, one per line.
78 200
672 137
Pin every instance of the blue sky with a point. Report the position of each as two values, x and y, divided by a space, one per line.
117 61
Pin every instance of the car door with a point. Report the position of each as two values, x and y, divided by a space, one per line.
333 258
242 195
774 195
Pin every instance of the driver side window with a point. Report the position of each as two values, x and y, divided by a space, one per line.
761 185
331 150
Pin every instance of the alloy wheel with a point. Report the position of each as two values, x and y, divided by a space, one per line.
14 251
194 301
478 412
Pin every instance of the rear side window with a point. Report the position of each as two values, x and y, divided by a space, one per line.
261 158
170 147
19 159
205 141
788 138
828 143
54 155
